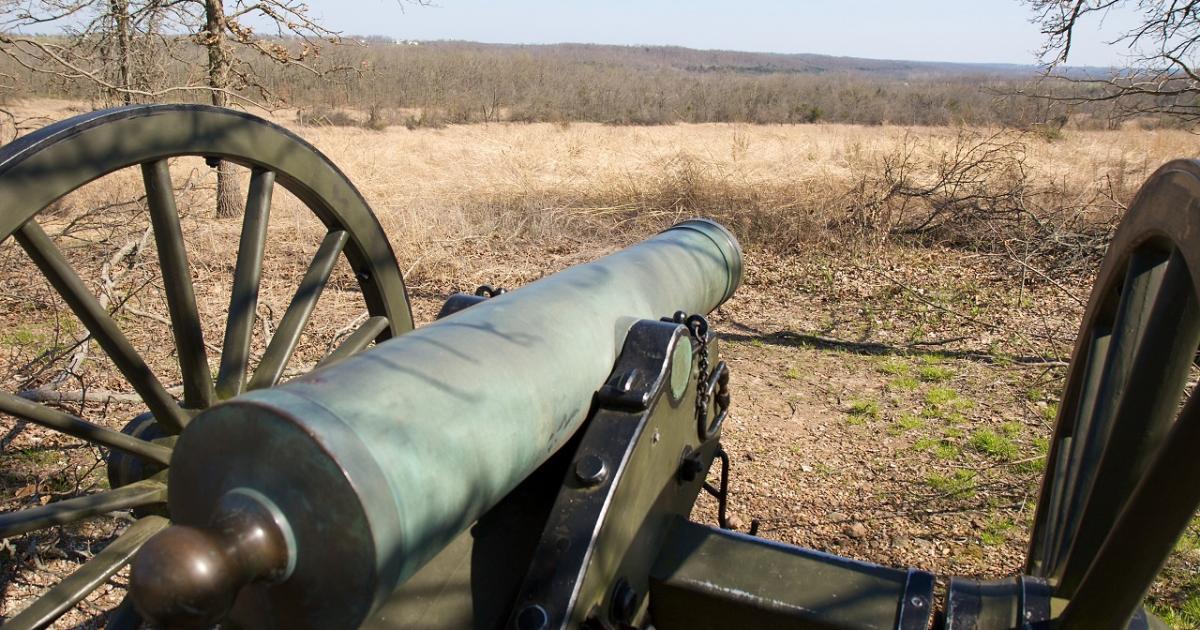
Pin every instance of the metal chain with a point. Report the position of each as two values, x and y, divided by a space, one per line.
697 325
710 386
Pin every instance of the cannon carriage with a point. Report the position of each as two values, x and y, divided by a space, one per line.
530 459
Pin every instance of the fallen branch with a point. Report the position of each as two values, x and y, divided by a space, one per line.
43 395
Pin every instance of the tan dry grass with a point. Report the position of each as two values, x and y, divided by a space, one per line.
432 185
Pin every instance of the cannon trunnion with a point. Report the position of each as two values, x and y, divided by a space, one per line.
531 459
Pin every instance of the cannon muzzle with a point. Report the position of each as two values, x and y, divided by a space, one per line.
305 505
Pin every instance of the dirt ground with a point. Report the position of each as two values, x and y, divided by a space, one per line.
892 403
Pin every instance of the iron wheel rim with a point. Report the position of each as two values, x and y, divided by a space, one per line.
46 165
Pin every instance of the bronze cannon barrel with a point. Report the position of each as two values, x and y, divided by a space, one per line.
354 476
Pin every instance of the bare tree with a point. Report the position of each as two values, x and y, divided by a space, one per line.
94 48
1161 77
234 50
101 39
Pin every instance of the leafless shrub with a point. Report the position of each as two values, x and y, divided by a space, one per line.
321 116
978 191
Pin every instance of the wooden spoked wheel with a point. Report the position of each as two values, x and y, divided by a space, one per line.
1123 479
44 167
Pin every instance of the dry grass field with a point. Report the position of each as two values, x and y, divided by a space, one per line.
896 349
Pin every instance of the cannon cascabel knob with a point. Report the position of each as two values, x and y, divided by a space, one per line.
189 577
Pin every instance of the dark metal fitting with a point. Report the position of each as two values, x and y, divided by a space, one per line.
616 390
212 162
698 325
487 290
678 317
532 617
690 465
591 470
624 603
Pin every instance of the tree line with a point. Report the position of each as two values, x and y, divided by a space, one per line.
437 83
126 51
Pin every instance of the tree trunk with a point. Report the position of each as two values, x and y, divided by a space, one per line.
120 11
229 200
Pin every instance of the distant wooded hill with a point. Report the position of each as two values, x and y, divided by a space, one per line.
434 83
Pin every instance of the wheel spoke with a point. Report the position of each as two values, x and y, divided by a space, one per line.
87 308
1143 279
1069 451
357 340
58 600
243 299
82 429
177 282
1143 536
138 494
1143 413
287 337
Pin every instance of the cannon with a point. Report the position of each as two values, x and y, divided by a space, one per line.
530 459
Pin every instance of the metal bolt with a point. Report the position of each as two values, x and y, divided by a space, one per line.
624 602
917 602
532 617
591 470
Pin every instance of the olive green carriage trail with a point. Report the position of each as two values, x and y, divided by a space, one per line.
530 459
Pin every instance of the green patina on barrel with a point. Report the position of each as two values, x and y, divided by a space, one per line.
381 460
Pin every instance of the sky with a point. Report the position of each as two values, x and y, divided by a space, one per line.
985 31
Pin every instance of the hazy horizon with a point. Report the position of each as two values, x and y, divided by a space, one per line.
982 31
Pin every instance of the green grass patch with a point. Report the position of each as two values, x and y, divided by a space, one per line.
792 373
995 531
941 449
823 469
906 423
1050 412
947 451
904 384
1190 540
940 396
924 444
1186 615
1032 465
1011 429
756 343
959 484
935 373
24 336
862 410
893 366
37 457
993 444
945 403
